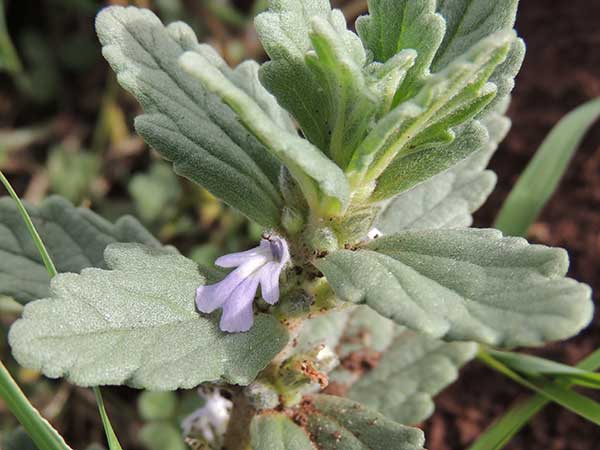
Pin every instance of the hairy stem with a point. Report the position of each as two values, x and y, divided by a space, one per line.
237 436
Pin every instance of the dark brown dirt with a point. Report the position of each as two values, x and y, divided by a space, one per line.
561 71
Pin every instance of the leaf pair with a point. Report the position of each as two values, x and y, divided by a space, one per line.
198 132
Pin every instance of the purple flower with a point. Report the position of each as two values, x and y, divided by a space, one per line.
235 293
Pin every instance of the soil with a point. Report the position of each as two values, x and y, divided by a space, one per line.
561 71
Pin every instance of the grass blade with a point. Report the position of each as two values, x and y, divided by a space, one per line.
534 366
500 433
110 434
111 437
38 428
544 172
30 227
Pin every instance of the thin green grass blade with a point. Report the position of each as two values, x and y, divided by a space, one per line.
111 437
499 434
110 434
30 227
544 172
534 366
38 428
9 60
571 400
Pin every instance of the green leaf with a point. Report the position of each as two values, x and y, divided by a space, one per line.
445 200
285 32
385 78
468 22
197 132
365 329
543 174
274 431
326 329
421 125
157 405
75 238
245 76
335 423
155 193
72 173
448 199
161 436
395 25
414 368
323 183
469 284
137 324
349 103
534 366
366 336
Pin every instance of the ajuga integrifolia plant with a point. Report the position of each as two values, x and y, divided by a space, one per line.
362 155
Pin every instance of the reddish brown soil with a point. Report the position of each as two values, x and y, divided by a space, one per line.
561 70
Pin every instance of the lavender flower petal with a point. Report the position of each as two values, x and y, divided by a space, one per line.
238 314
211 297
269 282
237 259
235 293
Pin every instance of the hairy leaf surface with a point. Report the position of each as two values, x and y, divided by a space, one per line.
413 369
137 324
75 238
448 199
321 90
196 131
322 182
274 431
421 125
395 25
467 284
469 21
339 72
335 423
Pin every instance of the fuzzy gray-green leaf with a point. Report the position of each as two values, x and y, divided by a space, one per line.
274 431
469 284
350 103
196 131
328 104
469 21
137 324
448 199
396 25
75 238
414 369
323 183
338 423
423 124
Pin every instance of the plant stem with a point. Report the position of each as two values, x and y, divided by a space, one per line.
237 436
